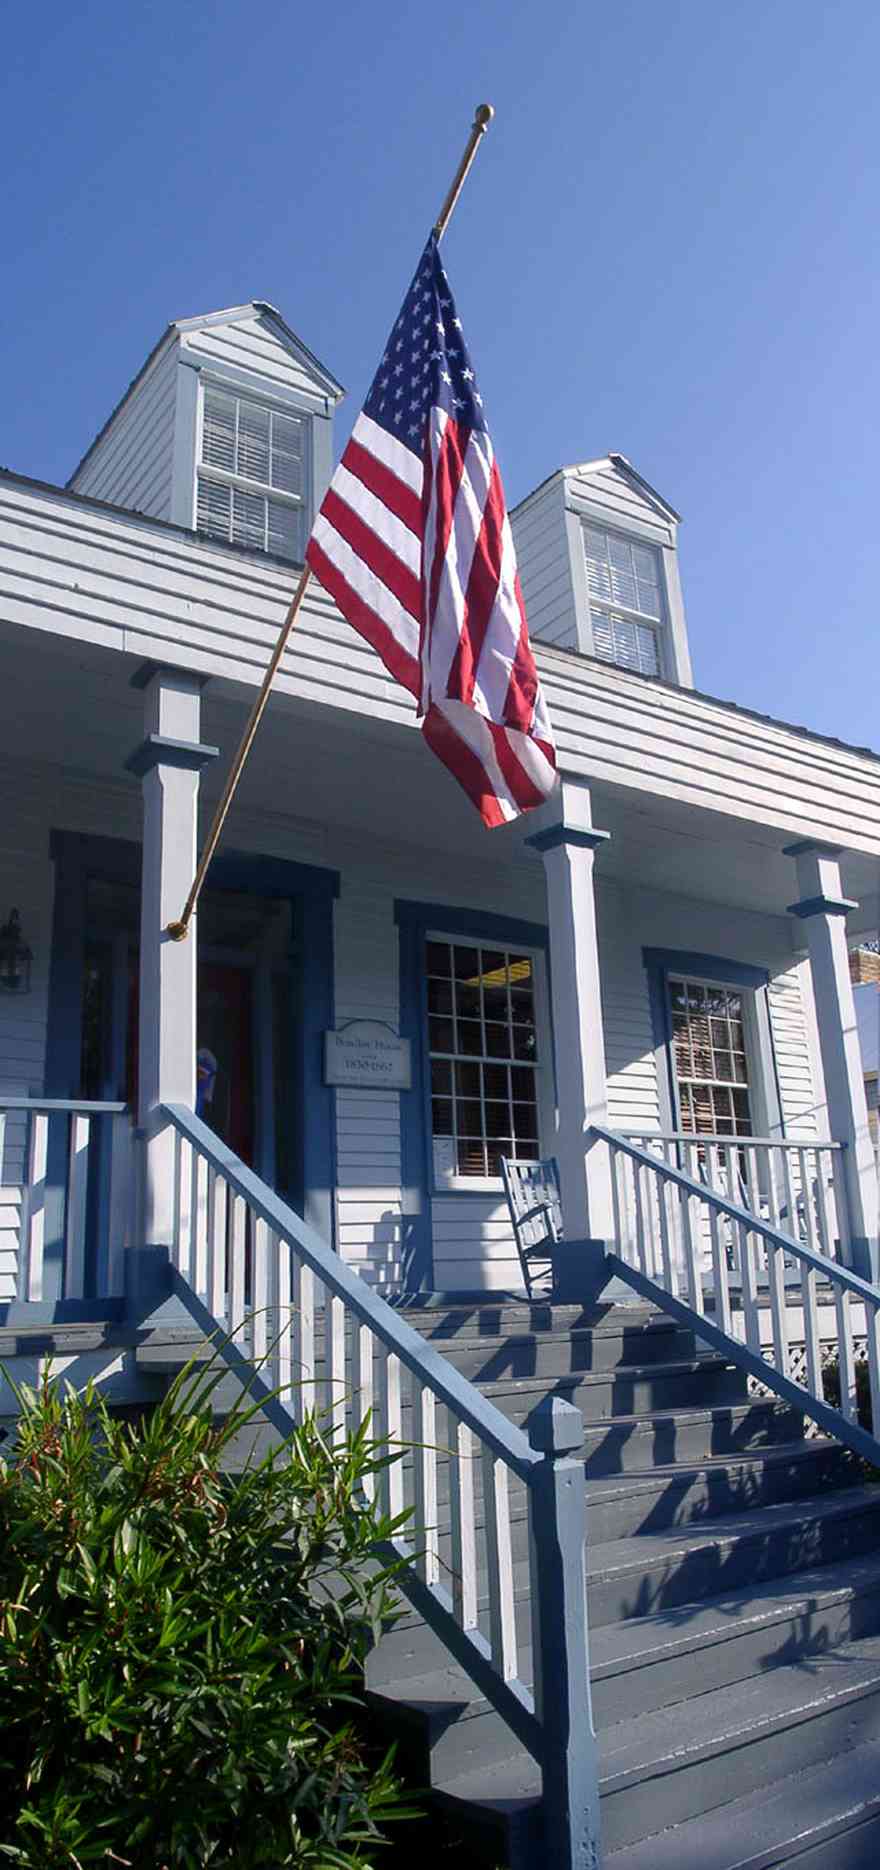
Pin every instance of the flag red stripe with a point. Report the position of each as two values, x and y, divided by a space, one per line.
400 500
448 471
522 692
376 555
397 660
463 764
481 594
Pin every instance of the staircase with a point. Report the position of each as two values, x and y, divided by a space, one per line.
734 1608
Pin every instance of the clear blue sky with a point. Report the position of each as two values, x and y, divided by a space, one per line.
669 248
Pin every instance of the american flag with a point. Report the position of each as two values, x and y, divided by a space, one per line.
414 543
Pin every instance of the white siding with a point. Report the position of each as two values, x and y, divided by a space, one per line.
626 1016
800 1095
542 550
368 1201
131 464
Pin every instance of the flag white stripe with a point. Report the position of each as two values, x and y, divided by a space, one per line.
378 517
392 453
403 627
436 430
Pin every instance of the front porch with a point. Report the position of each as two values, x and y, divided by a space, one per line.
545 978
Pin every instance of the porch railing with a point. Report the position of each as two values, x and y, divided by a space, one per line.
480 1494
797 1185
65 1197
662 1216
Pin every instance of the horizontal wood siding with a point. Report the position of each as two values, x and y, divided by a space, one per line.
72 569
132 463
799 1095
10 1240
541 541
615 501
626 1017
368 1200
251 344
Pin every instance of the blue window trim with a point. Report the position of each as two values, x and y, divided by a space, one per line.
659 964
78 857
414 920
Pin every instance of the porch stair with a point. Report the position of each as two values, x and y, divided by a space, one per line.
734 1604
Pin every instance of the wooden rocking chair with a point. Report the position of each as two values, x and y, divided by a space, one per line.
532 1190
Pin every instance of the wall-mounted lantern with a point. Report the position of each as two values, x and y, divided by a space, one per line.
15 957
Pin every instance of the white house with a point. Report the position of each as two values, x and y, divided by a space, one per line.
380 1001
355 884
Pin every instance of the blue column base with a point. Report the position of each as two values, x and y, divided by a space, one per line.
864 1258
148 1288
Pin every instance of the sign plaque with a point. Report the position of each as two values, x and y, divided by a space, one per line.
367 1053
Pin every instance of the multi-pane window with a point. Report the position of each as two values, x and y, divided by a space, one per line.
623 578
482 1039
252 475
709 1052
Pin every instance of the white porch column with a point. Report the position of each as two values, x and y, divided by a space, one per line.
822 909
567 842
169 761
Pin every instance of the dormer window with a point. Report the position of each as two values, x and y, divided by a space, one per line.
626 605
252 474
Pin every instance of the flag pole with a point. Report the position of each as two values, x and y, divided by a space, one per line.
179 930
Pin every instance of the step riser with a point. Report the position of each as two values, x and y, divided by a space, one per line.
619 1395
748 1559
805 1638
651 1805
493 1362
632 1448
671 1503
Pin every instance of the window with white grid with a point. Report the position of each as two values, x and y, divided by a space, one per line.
483 1046
626 606
710 1058
252 474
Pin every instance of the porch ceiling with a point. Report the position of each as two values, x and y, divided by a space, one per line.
71 707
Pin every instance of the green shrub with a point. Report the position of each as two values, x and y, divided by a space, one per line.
181 1651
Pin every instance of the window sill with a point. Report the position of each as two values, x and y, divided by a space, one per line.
482 1185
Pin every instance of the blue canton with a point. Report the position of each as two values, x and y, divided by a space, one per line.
426 362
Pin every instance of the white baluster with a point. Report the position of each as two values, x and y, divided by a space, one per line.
362 1387
390 1430
768 1157
641 1254
75 1207
425 1452
670 1273
183 1207
237 1238
811 1331
846 1359
751 1314
280 1254
216 1243
200 1224
464 1534
499 1555
334 1363
260 1293
616 1202
35 1232
778 1315
719 1271
303 1297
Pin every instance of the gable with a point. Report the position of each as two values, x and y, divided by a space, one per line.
613 493
252 345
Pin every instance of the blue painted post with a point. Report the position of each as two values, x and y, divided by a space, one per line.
558 1527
